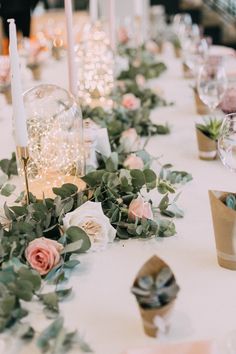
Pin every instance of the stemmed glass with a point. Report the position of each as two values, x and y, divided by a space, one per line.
227 141
195 55
212 83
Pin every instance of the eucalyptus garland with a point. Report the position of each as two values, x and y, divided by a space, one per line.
115 185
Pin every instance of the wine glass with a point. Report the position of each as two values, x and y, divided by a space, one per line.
181 22
227 142
212 83
195 54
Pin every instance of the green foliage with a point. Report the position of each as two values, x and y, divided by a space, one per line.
140 62
116 190
149 99
120 119
8 166
55 339
112 185
16 284
174 177
211 128
149 71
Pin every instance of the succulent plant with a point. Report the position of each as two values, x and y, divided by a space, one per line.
155 291
230 201
211 128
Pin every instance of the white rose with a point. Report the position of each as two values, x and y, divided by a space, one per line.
130 140
90 217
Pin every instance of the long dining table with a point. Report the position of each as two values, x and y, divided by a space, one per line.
102 306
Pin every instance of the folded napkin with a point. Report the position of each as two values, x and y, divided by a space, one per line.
228 104
198 347
221 50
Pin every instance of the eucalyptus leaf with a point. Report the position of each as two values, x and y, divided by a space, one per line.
7 189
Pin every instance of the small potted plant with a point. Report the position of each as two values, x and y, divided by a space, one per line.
155 289
223 210
207 136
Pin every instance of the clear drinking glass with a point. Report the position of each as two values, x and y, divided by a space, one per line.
181 22
227 142
195 54
212 83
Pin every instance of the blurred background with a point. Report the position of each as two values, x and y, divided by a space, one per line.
215 18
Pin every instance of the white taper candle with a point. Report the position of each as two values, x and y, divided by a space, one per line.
93 10
19 116
70 48
112 24
138 7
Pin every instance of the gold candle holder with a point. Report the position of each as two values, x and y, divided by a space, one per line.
23 156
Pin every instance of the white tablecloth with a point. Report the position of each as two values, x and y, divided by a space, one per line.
102 306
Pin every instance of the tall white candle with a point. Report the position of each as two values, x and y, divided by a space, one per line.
70 48
93 10
112 24
21 134
138 7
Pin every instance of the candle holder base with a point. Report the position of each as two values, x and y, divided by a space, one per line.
23 156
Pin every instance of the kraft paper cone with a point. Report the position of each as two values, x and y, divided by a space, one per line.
201 108
56 52
153 267
36 71
149 315
177 52
187 72
206 146
224 224
7 94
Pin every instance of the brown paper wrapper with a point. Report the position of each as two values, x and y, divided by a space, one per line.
187 72
160 47
148 318
201 108
153 267
36 71
206 146
56 52
177 52
224 224
7 94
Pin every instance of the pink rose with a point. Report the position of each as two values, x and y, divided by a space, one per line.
136 63
152 47
138 208
133 162
130 140
123 35
131 102
43 254
140 80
